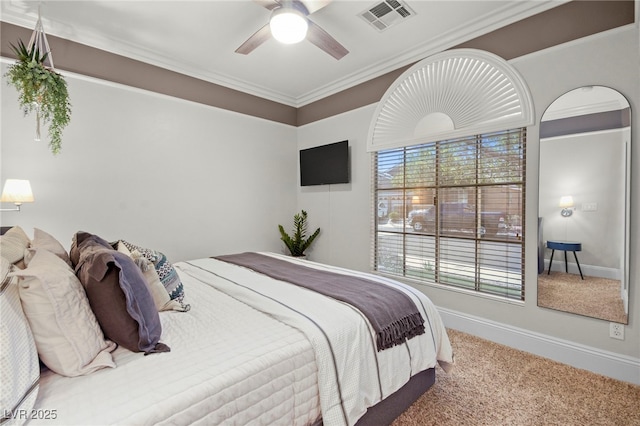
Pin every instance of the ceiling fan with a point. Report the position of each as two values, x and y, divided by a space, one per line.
299 10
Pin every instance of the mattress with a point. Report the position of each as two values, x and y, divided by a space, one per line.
252 350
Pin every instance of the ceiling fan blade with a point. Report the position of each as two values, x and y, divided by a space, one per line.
324 41
314 5
259 37
268 4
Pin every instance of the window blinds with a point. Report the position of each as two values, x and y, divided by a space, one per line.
452 212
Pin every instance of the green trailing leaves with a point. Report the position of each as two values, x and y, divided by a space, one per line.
298 243
42 90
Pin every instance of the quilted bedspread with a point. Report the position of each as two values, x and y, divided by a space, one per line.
229 364
352 374
252 350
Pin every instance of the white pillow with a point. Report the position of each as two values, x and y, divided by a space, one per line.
13 243
67 335
19 365
42 240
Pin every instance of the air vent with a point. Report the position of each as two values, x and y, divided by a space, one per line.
386 14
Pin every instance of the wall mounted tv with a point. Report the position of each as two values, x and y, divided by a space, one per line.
325 164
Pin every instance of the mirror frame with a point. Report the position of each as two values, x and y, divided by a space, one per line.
593 118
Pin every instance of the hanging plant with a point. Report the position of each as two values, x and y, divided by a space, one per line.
42 90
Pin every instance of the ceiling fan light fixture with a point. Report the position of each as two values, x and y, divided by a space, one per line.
288 25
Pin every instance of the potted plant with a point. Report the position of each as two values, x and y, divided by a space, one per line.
299 242
42 90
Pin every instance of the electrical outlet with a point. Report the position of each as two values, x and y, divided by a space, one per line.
616 330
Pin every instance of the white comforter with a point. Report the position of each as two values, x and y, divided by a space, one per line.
352 374
252 350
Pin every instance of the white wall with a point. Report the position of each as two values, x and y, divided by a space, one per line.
342 211
591 168
609 59
196 181
183 178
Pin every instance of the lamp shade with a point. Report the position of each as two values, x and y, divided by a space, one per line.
288 25
17 191
566 201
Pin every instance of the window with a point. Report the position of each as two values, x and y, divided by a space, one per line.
454 212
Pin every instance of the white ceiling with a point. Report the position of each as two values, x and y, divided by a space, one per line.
198 38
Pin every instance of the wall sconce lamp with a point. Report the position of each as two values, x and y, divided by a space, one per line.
16 191
566 203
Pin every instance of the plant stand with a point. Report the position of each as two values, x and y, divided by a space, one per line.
39 41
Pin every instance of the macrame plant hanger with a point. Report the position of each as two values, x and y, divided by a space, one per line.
39 41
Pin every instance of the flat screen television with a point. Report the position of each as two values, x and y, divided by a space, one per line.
325 164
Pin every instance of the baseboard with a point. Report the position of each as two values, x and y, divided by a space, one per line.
587 270
616 366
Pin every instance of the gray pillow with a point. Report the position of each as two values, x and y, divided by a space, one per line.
119 297
78 238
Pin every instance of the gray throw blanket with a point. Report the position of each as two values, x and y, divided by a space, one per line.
392 314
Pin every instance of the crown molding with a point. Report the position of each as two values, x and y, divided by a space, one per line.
19 12
484 24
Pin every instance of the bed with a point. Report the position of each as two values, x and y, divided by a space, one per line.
251 349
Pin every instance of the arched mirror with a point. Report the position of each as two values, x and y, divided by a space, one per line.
584 192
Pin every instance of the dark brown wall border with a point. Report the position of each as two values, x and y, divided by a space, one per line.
561 24
586 123
82 59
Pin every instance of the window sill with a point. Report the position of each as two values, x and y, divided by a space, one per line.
418 284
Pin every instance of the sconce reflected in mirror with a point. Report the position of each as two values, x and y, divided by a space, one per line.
566 203
16 191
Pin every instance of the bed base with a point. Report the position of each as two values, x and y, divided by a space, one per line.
387 410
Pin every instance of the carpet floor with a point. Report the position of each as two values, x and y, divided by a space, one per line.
591 296
492 384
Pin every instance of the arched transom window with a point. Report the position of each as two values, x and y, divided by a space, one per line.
449 139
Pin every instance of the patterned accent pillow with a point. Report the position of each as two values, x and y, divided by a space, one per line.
19 366
167 273
160 296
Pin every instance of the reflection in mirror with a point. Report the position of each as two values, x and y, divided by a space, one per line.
584 204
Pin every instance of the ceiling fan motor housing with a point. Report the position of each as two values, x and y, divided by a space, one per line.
288 25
